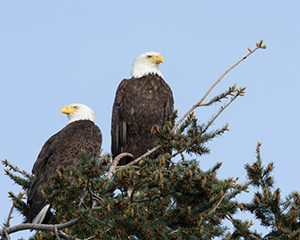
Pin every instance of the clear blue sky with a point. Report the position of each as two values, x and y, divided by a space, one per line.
53 53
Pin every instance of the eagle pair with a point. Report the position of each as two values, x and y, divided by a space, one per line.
140 102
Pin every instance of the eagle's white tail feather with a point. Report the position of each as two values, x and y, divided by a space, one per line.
40 217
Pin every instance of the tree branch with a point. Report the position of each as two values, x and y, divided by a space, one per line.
75 238
175 231
214 209
56 233
143 156
43 227
212 87
113 167
9 216
240 92
251 236
100 221
14 168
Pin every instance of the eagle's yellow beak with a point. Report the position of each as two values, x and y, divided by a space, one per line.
67 109
157 59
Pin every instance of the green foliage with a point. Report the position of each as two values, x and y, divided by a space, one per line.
283 216
158 200
23 179
229 93
180 202
12 171
190 137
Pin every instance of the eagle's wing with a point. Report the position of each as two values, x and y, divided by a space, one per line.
35 199
118 126
46 151
169 106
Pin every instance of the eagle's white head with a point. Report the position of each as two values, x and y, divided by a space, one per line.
77 111
146 63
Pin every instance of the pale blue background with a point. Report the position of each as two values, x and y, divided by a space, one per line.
53 53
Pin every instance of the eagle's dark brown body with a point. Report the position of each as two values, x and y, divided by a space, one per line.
62 149
139 104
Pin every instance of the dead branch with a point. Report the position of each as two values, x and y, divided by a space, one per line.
143 156
33 226
117 159
9 216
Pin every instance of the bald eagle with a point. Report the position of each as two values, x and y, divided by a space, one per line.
63 149
140 102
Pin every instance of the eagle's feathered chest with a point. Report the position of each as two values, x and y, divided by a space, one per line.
144 89
145 97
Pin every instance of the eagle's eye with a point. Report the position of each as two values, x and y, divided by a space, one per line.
75 107
149 56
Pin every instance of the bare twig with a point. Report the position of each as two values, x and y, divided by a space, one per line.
204 104
43 227
212 87
100 221
91 237
56 233
175 231
214 209
82 199
7 237
62 233
113 167
9 216
96 196
143 156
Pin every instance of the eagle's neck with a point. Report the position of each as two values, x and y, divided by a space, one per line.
140 70
78 117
